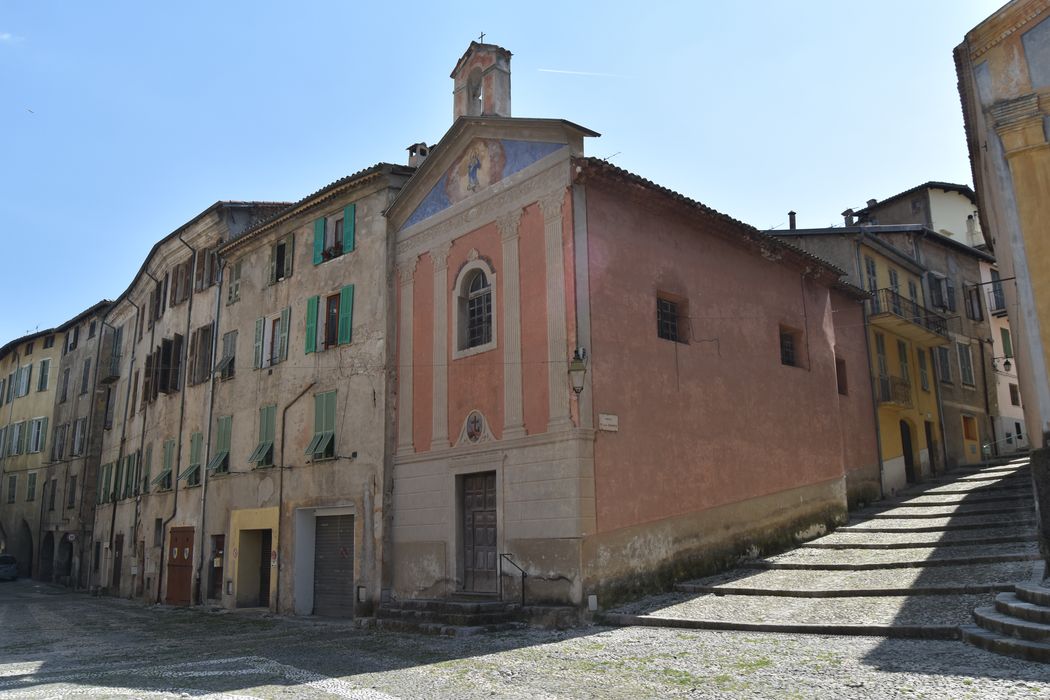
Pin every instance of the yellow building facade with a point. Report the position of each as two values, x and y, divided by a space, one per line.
902 338
28 381
1004 83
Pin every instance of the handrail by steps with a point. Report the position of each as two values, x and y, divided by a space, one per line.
524 575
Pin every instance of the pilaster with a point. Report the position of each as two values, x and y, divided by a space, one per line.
557 362
513 412
406 274
439 431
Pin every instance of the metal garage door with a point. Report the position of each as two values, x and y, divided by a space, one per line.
334 566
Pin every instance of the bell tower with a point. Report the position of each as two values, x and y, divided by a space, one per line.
482 82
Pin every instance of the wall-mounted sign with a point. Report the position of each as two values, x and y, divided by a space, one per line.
608 422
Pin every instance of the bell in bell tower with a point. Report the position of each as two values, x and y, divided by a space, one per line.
482 82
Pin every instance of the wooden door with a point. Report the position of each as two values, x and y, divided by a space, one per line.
479 533
180 565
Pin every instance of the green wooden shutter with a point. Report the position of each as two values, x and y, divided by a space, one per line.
318 413
43 434
319 241
282 332
195 448
273 264
329 412
312 305
259 326
346 314
349 217
289 254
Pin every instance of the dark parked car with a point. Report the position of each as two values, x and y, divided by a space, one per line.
8 567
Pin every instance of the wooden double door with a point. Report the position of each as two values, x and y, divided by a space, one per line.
180 566
480 555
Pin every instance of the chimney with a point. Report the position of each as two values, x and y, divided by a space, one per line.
482 82
848 217
872 202
791 220
417 153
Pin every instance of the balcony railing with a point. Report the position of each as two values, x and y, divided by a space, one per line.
889 301
894 390
110 369
996 299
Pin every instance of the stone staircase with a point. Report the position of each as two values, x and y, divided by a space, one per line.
1017 625
917 566
450 617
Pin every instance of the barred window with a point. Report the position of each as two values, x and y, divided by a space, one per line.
479 310
667 314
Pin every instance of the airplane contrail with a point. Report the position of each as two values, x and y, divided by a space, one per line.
580 72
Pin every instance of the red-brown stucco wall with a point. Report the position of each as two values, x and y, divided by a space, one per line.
718 420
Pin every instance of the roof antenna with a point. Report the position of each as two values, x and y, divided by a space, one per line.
608 158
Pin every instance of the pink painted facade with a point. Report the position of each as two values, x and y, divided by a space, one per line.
675 456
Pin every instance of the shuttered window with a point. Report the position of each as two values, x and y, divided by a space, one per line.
163 479
262 456
220 463
322 446
192 473
346 314
312 305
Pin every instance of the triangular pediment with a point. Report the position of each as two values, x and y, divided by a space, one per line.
476 155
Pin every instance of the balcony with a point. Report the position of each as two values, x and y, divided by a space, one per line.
110 369
890 311
996 300
895 391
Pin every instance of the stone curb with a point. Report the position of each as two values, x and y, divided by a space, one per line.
896 631
956 514
847 592
927 545
941 528
919 564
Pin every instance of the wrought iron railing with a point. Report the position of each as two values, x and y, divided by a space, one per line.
996 299
895 390
890 301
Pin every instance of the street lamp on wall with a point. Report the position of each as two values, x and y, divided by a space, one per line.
1007 364
577 370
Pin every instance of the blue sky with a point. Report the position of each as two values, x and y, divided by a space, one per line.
119 121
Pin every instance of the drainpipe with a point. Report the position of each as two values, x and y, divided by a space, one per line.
182 418
211 426
280 489
142 433
987 403
871 382
123 428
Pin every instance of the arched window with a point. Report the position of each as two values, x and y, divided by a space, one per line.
479 310
474 308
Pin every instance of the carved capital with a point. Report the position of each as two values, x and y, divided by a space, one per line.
508 224
406 270
551 205
439 255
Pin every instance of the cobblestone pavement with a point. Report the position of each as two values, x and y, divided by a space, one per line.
56 644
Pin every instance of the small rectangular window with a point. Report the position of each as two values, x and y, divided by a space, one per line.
790 346
1015 395
158 532
31 486
331 321
227 365
668 320
12 487
71 492
840 376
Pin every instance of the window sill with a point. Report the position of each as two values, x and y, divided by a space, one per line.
476 350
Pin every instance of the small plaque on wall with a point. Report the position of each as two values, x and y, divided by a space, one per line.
608 422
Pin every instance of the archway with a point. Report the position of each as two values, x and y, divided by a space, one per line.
64 563
24 551
47 557
909 453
